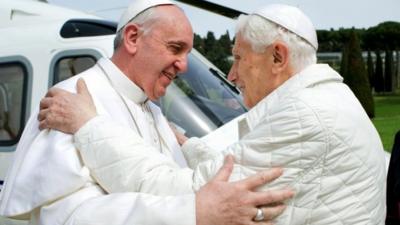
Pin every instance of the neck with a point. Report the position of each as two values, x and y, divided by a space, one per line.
123 63
286 75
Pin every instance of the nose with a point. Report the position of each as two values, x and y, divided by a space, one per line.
181 64
232 75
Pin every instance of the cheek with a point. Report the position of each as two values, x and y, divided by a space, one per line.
163 81
161 85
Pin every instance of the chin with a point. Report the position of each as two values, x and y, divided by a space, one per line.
248 104
158 96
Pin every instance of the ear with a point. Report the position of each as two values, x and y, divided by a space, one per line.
131 36
280 53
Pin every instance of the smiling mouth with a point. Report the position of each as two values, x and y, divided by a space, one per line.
169 75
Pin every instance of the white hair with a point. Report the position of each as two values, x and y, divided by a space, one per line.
145 19
260 33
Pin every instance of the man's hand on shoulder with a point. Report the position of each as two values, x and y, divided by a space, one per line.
223 202
65 111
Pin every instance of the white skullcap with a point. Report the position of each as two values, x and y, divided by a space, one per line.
138 6
292 19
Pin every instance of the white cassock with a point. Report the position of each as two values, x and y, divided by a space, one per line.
49 184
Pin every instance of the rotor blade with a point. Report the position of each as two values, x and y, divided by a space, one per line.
213 7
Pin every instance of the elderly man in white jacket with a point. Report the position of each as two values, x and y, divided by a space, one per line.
48 182
302 117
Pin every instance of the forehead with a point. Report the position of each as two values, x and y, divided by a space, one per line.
241 45
172 24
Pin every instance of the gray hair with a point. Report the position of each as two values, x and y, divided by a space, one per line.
260 33
144 19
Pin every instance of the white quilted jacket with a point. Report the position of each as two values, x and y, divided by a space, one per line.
315 128
312 126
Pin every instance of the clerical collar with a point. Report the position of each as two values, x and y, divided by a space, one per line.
121 82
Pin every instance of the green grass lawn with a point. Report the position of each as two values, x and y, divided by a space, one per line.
387 118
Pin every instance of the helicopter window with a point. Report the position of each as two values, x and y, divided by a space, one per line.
69 66
13 82
199 101
87 28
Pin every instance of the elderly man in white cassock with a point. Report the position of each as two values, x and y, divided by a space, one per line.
48 182
302 118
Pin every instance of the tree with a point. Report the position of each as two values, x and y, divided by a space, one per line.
216 53
378 77
209 42
345 61
385 35
198 44
226 43
370 69
355 75
397 71
388 71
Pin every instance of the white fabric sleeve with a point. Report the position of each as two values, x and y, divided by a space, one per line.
121 161
196 151
136 209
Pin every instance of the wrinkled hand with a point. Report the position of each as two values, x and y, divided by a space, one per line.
65 111
221 202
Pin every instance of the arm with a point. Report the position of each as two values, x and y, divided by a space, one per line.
194 150
45 167
209 206
239 196
121 161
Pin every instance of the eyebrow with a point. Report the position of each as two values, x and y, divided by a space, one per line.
181 43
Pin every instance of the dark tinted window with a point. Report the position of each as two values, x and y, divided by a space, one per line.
13 82
200 101
87 28
67 67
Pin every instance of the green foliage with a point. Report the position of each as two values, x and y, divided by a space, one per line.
198 44
226 43
345 61
378 77
385 35
388 71
355 74
370 69
333 41
215 50
381 37
387 118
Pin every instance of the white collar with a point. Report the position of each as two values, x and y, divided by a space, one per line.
121 82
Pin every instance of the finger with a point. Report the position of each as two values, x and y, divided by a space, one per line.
81 87
261 178
45 103
42 114
272 212
225 171
54 91
43 125
272 196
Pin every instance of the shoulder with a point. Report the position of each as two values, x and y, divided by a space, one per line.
93 77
